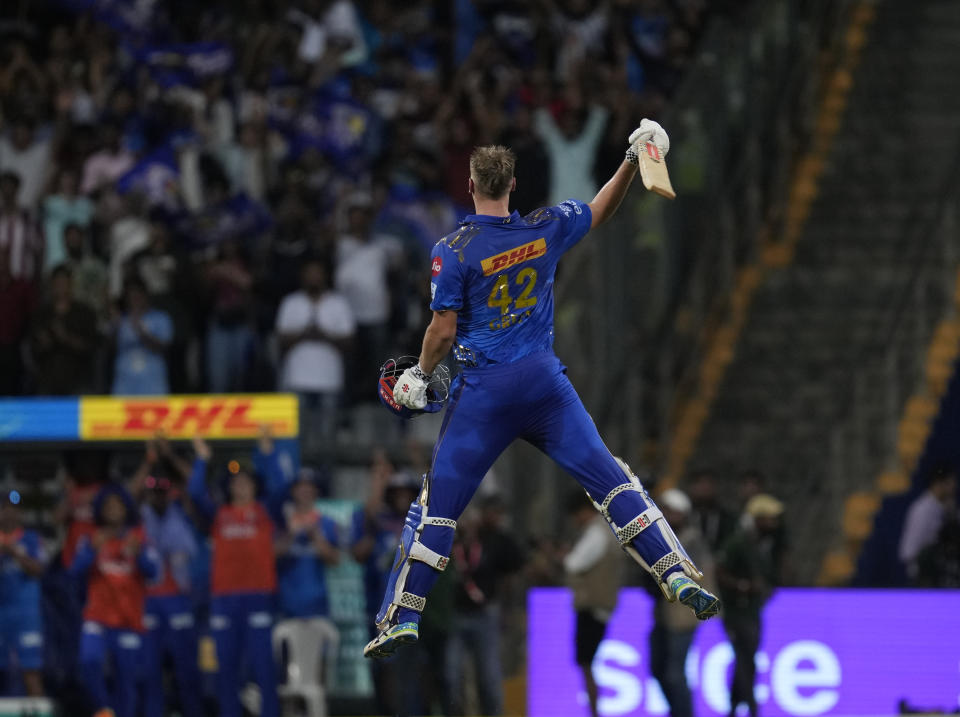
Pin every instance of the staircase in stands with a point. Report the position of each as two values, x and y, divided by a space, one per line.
819 322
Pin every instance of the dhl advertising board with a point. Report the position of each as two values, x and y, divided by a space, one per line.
138 418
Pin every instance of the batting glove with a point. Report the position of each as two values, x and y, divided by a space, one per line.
411 389
648 131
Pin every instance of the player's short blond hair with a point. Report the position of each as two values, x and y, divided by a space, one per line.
491 169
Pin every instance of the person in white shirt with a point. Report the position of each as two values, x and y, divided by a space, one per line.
20 239
334 29
363 263
29 158
593 573
314 327
925 517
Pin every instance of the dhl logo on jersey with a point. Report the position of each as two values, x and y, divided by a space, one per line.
498 262
213 416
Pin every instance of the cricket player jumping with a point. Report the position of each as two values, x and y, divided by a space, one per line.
492 302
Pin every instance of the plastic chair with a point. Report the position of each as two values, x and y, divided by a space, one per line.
307 641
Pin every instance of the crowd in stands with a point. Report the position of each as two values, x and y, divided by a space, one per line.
190 546
212 197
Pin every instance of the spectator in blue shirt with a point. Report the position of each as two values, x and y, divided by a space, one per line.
168 612
142 336
308 546
376 530
377 526
21 563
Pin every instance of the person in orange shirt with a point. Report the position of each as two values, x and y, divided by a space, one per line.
117 563
243 583
76 510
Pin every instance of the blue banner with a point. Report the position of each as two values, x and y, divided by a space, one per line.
39 419
347 132
238 217
156 175
350 131
186 64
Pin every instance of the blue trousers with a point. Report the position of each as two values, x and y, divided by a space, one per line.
491 407
122 648
228 356
21 631
475 635
170 631
241 625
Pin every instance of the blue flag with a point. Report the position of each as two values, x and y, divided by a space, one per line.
157 176
238 217
351 132
347 132
185 64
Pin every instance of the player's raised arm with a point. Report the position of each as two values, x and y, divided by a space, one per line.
610 196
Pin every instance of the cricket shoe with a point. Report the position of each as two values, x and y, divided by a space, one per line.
386 643
703 603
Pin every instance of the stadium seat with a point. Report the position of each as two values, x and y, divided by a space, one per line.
300 645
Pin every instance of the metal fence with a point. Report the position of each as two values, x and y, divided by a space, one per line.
865 441
635 301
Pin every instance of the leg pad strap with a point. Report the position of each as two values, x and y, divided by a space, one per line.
658 563
411 601
636 526
617 491
442 522
419 551
664 564
414 546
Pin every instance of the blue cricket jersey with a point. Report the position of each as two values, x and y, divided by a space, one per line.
497 274
302 574
19 591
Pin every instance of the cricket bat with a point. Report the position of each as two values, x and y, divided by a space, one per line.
653 170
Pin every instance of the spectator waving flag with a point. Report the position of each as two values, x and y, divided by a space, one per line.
238 217
350 131
185 64
344 130
157 176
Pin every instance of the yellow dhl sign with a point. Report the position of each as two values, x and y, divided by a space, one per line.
493 264
212 416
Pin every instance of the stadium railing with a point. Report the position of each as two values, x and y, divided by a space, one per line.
770 88
871 453
656 284
631 322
